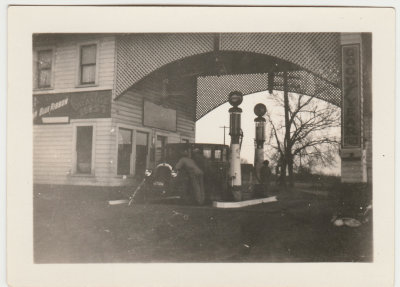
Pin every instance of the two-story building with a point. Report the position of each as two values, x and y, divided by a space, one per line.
105 105
82 136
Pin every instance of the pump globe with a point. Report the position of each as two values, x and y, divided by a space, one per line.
235 98
260 110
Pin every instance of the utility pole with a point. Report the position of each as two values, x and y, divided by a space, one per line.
288 157
224 127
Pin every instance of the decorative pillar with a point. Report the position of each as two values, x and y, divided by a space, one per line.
235 175
259 110
353 149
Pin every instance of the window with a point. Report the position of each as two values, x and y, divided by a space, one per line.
185 140
160 148
207 152
44 68
84 139
142 147
88 55
218 154
224 154
124 151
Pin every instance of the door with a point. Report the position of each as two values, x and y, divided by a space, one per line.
84 140
142 140
124 151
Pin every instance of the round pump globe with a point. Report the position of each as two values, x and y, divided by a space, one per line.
235 98
260 110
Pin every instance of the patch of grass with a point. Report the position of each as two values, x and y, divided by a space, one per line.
73 227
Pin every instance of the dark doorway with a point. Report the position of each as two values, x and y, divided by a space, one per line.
141 152
84 139
124 151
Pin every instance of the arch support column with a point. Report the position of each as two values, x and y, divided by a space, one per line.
356 143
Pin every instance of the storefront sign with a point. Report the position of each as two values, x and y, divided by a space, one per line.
59 108
351 89
157 116
50 106
55 120
53 106
91 105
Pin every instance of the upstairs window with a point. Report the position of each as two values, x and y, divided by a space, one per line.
44 67
88 55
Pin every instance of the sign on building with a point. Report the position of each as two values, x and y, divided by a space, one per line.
157 116
60 108
351 99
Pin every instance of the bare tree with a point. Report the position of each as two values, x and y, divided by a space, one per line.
304 134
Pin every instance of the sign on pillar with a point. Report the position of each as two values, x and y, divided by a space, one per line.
235 175
352 116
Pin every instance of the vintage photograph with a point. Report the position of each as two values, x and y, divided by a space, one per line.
220 147
200 146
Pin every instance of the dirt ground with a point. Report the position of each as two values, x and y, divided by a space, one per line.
79 226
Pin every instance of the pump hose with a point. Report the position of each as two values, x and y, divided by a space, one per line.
241 140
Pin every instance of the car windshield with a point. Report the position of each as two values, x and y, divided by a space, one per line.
218 154
207 153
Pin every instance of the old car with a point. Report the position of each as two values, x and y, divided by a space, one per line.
164 181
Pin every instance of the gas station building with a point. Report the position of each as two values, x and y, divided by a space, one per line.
105 105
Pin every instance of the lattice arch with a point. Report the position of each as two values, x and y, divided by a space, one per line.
318 53
138 55
212 91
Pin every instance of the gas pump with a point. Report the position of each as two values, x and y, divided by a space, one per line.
235 99
259 110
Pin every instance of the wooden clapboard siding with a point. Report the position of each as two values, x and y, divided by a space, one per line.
105 146
52 153
65 66
54 144
128 108
66 60
106 61
174 138
186 127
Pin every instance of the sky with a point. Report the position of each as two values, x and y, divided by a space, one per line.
209 128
